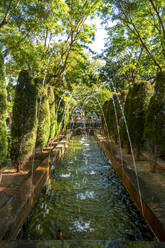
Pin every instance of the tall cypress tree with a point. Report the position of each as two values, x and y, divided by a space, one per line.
24 122
43 131
3 113
52 106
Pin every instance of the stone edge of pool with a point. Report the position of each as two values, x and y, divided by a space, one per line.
17 208
152 210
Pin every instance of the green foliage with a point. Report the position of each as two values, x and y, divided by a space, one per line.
110 116
43 131
52 105
10 96
122 97
3 112
141 93
154 131
90 98
105 118
124 135
135 42
24 121
66 118
31 34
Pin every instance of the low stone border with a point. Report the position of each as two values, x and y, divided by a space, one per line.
18 207
152 210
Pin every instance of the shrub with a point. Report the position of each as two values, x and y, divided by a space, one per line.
52 105
43 131
24 121
154 131
106 119
66 117
140 96
3 113
60 106
122 97
124 135
109 114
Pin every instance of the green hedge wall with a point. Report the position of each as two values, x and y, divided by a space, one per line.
24 121
122 97
141 93
124 135
3 113
52 107
67 114
105 111
154 132
109 112
43 131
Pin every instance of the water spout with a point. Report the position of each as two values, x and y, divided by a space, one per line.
130 143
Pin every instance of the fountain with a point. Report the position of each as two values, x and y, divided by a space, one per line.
130 143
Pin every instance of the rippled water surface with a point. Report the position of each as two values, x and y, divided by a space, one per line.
85 199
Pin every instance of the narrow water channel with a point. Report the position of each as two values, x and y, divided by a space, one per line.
85 199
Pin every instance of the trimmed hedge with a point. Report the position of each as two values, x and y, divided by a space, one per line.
52 106
59 115
111 121
154 132
3 113
43 131
141 93
108 121
110 117
124 135
66 117
105 111
122 97
24 121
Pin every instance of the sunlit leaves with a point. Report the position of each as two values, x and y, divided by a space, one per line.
136 38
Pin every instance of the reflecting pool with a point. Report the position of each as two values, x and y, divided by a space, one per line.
85 199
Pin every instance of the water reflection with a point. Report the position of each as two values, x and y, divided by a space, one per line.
86 200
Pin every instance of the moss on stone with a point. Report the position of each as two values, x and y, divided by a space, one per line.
154 131
3 113
43 131
24 121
